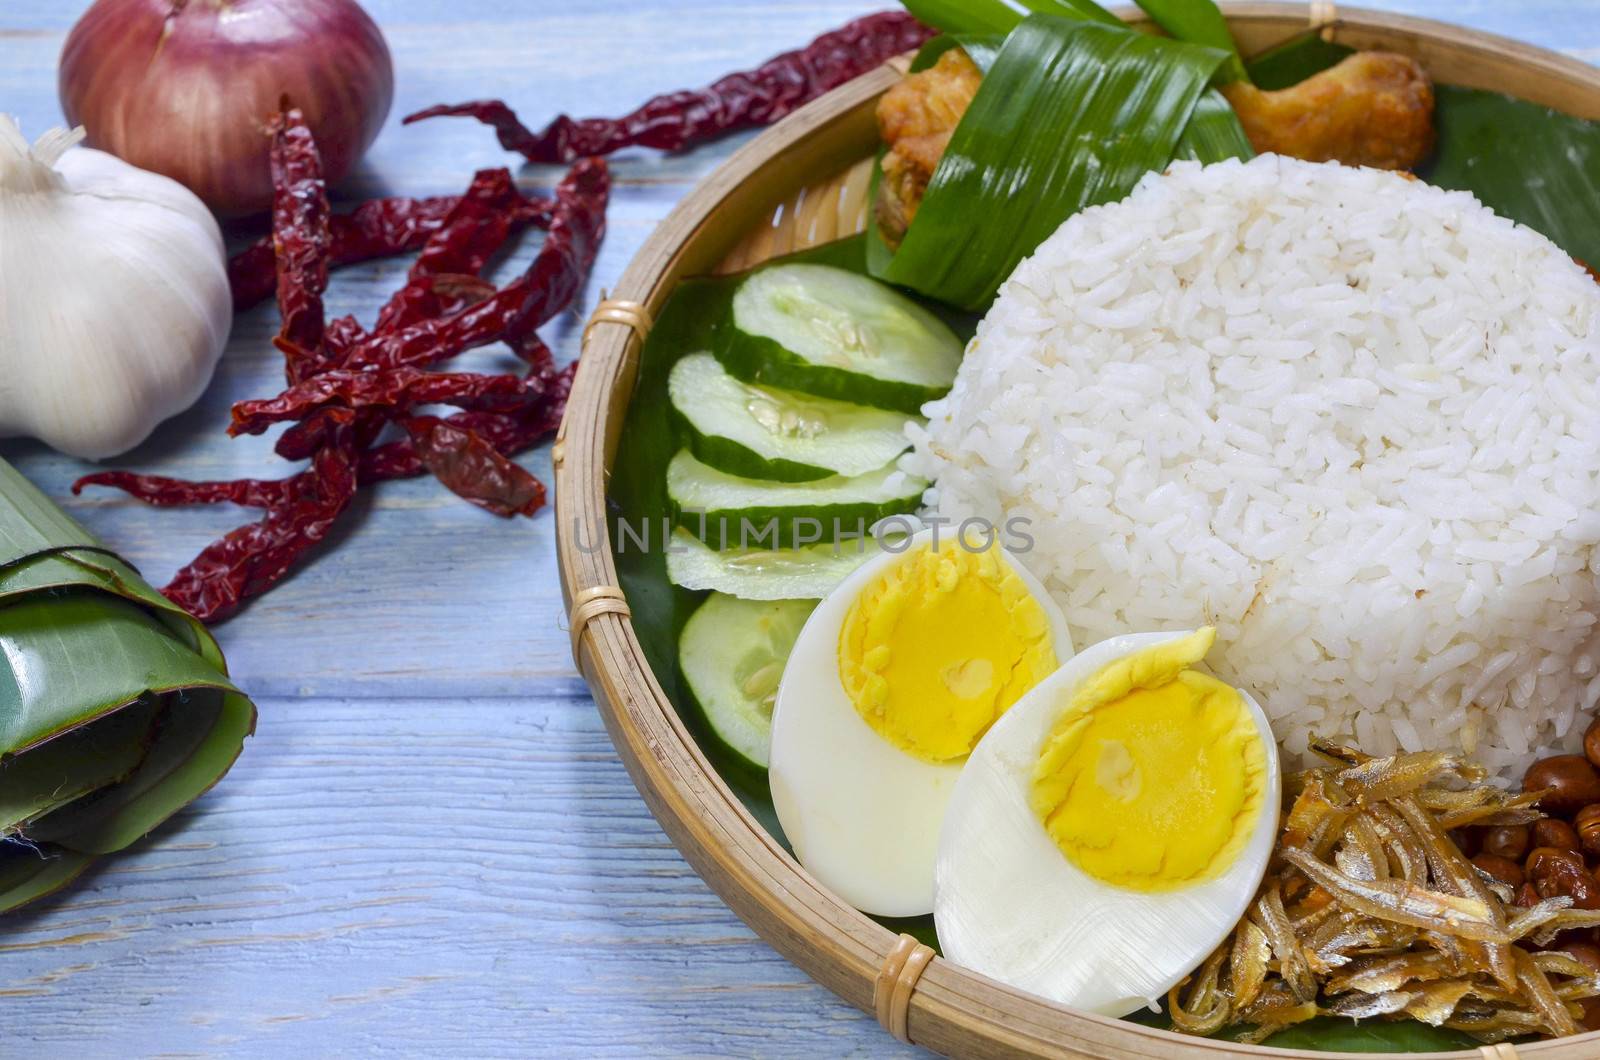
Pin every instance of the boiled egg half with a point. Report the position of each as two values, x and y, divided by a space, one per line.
897 675
1110 830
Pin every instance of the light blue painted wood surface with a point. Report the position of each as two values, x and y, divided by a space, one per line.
429 847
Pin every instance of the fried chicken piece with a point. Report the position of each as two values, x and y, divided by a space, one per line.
1372 109
915 119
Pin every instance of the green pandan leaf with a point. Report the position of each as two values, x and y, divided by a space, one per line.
1198 22
1214 132
1071 114
1001 16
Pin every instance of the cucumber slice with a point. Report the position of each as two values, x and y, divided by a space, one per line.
732 654
758 432
835 334
726 511
808 573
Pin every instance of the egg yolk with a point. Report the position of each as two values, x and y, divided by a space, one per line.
937 648
1154 775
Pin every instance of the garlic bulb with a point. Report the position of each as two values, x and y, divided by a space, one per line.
114 301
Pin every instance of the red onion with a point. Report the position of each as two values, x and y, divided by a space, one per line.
185 87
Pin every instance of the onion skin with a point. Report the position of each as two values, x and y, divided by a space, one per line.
185 87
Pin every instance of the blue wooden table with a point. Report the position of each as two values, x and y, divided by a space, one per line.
429 846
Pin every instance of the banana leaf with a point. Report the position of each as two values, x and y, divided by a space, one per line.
1332 1034
1526 162
1121 99
1295 60
115 706
1337 1034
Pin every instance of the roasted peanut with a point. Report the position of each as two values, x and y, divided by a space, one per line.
1527 895
1500 869
1507 841
1590 1020
1553 832
1591 743
1467 840
1562 872
1585 952
1587 825
1568 781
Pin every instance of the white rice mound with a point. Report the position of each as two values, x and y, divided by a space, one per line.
1351 419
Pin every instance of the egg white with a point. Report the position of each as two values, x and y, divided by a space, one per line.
862 815
1009 904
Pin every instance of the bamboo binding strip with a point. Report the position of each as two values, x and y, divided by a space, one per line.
635 316
1503 1051
1324 13
590 603
891 990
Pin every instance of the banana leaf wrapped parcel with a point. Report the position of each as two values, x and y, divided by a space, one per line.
115 706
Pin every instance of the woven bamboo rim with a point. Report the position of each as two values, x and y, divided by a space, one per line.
798 183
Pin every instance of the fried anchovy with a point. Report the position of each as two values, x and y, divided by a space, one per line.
1436 1002
1400 900
1389 777
1365 1006
1454 872
1285 946
1549 1007
1247 963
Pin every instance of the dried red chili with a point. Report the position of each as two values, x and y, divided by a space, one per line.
472 467
385 389
300 241
548 286
250 560
375 229
341 336
455 254
463 245
678 120
508 432
162 492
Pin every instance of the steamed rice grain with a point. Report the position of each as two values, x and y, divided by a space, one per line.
1345 416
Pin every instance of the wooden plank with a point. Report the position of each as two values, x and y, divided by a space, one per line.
445 876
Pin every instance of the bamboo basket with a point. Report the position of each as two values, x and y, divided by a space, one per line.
801 183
